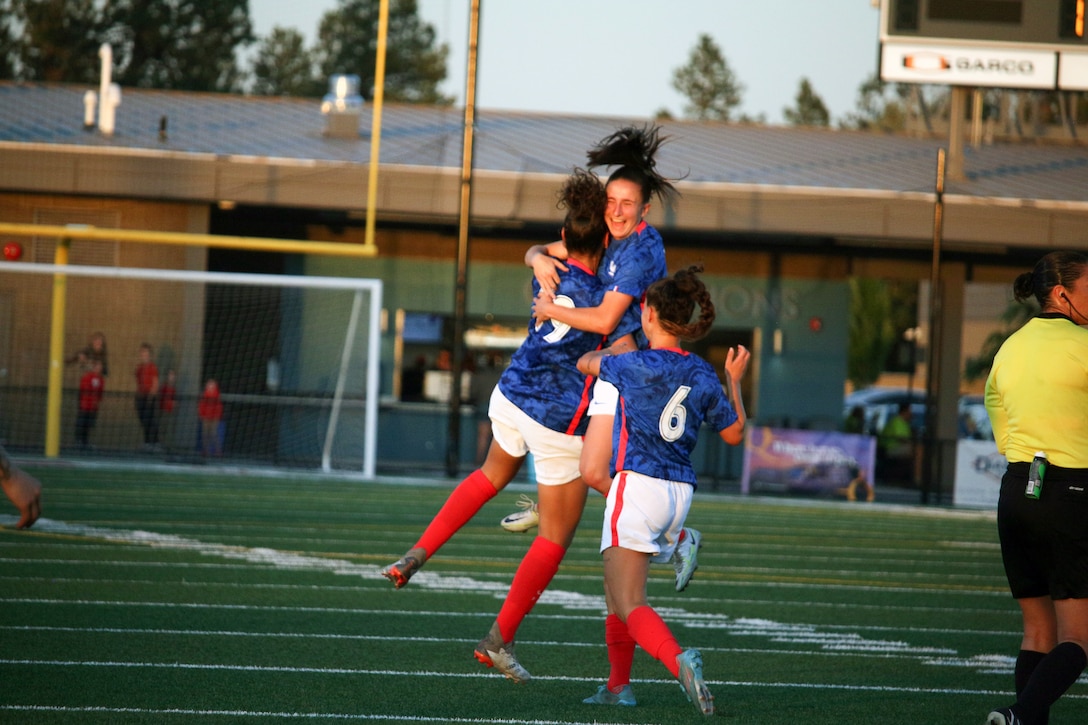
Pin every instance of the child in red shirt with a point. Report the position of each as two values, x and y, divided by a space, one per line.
147 397
91 387
169 393
210 411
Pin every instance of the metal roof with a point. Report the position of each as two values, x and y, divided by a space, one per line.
275 150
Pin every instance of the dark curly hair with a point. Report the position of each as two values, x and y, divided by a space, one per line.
583 196
633 150
1056 268
674 298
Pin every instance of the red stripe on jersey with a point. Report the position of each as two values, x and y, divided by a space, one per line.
583 404
621 449
613 524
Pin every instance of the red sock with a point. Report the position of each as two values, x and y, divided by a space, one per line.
621 652
534 574
653 635
463 503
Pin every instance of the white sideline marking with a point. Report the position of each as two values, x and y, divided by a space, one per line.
774 631
924 654
284 715
551 678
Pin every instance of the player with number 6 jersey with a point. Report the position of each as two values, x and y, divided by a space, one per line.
665 395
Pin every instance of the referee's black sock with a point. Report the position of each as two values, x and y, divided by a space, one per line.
1026 662
1052 677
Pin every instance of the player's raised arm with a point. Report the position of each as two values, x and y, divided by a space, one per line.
736 365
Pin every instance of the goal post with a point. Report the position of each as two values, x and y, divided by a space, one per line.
297 359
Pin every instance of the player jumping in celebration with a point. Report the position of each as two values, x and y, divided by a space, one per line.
538 406
633 260
665 395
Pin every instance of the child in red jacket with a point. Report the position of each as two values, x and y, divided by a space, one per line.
210 411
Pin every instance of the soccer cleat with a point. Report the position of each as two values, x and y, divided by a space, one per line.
1004 716
604 696
685 560
403 568
691 681
493 652
522 521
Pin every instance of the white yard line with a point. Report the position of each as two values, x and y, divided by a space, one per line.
838 639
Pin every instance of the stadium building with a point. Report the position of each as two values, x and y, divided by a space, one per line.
782 218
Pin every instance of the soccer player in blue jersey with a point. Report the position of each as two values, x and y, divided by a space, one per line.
665 395
539 406
633 260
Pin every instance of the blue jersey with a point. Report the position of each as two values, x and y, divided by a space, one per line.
632 264
542 378
665 395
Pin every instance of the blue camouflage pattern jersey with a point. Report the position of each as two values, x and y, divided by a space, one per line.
632 264
665 395
542 378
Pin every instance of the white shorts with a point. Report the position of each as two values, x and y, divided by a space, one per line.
555 454
645 514
605 399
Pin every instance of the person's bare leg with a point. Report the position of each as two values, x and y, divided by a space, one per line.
595 464
22 489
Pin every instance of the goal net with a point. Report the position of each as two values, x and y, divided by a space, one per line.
295 360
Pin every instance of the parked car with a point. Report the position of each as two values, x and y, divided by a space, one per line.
880 403
974 420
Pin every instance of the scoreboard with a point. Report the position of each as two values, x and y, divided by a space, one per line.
1038 44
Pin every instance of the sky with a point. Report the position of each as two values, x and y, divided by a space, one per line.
617 57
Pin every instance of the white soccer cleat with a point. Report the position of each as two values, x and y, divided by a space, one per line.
692 683
493 652
685 560
522 521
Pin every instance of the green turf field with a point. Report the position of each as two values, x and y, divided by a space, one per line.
202 596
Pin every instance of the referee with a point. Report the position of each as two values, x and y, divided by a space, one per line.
1037 399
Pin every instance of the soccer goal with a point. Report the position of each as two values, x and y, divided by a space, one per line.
295 358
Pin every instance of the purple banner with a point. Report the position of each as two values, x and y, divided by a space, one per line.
809 462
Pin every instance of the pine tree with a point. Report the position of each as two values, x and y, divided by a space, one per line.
284 67
51 40
708 83
414 66
810 109
186 45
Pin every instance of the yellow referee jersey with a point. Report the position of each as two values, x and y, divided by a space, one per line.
1037 392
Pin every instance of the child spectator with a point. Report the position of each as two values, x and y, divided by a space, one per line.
95 350
168 396
91 387
147 394
169 393
210 411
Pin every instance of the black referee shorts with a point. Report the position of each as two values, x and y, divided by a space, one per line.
1044 541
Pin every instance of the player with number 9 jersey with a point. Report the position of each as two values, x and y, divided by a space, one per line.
542 378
